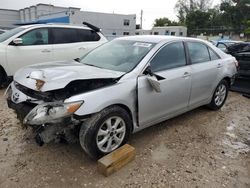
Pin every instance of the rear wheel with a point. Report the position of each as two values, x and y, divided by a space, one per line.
106 131
219 96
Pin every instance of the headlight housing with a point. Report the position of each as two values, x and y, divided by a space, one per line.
51 112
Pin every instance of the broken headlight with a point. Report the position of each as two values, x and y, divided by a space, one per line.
51 112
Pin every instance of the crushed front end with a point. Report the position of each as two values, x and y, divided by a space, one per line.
50 118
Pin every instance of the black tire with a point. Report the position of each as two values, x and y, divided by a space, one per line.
89 130
2 78
212 105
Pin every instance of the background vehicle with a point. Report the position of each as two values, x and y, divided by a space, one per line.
224 44
120 87
241 51
27 45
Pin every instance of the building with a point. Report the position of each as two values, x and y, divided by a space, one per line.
170 30
8 17
143 32
112 25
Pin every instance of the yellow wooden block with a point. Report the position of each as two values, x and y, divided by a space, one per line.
116 160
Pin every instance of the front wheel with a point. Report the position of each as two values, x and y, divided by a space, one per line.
219 96
105 131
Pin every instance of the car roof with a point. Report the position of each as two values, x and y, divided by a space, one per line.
55 25
158 38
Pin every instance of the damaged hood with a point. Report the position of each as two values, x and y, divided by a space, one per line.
57 75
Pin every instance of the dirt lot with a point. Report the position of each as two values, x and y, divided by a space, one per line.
201 148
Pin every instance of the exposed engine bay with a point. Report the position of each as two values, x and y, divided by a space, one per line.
53 126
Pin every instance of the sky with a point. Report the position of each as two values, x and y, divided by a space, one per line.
152 9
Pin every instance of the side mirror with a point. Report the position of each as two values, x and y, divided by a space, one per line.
154 83
148 71
152 79
18 41
77 59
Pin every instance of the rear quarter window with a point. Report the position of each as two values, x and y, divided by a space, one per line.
87 35
198 52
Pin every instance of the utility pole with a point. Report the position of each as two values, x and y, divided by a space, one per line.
141 17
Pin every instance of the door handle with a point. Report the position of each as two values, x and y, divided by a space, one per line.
82 48
186 74
219 65
46 50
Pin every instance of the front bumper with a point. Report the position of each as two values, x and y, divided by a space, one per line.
21 109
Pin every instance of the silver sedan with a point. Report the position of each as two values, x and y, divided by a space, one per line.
120 88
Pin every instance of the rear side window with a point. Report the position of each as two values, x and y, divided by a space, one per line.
213 55
85 35
64 35
170 56
198 52
35 37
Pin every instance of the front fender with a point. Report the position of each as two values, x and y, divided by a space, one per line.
123 93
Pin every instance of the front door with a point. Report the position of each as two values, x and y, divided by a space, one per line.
34 49
174 75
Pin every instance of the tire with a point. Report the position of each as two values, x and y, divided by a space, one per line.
95 130
219 96
2 78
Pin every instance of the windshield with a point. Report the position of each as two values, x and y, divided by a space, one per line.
118 55
10 33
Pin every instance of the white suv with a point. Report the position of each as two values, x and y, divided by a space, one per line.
33 44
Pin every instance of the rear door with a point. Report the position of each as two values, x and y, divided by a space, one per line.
36 48
175 83
71 43
206 66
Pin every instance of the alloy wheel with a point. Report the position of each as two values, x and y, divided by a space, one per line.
111 134
220 94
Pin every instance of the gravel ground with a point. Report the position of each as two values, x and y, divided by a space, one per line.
201 148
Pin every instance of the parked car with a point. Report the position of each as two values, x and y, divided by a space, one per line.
241 51
224 44
120 88
30 44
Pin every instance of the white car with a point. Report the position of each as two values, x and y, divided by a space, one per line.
31 44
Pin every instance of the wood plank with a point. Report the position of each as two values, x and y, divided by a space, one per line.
116 160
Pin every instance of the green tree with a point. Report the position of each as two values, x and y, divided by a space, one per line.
160 22
184 7
196 20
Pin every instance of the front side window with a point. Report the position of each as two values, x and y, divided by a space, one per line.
36 37
198 52
221 46
118 55
170 56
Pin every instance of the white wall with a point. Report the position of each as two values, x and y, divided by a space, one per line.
8 18
110 23
168 30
